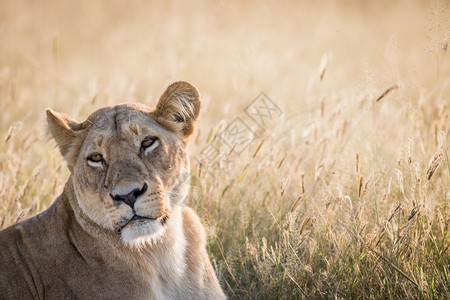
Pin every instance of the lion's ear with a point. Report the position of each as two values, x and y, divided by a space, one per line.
178 108
63 129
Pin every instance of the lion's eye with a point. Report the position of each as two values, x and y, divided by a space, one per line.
149 143
95 159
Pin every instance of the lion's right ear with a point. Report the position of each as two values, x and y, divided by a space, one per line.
64 130
178 108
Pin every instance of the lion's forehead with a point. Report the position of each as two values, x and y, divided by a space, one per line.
119 118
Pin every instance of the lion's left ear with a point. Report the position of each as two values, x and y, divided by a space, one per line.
178 108
67 133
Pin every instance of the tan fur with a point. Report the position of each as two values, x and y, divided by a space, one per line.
90 244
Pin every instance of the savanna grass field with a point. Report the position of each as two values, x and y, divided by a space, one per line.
320 163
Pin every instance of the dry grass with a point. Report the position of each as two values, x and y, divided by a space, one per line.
343 196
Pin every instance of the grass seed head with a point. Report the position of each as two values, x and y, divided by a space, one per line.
434 164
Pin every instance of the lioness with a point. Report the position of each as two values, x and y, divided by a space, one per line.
118 230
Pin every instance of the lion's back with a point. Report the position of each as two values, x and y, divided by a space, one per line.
23 250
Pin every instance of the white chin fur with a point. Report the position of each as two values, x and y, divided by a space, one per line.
142 234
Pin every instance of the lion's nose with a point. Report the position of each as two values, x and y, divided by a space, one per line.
131 197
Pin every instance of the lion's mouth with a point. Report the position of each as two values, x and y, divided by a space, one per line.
137 219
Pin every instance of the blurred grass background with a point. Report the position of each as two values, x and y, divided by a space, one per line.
345 196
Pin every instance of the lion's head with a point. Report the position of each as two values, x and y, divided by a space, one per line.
128 162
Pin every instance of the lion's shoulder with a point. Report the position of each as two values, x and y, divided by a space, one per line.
193 228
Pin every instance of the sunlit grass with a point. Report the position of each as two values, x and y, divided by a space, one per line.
345 195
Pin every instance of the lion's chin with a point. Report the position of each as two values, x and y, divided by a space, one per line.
141 234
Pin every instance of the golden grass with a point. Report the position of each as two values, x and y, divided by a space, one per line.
343 196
